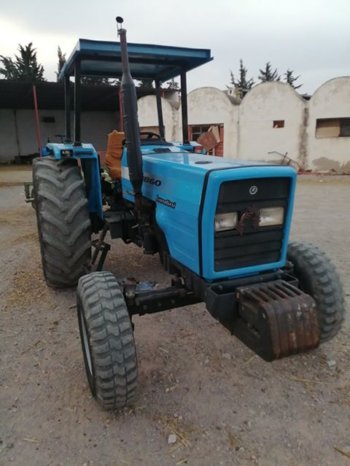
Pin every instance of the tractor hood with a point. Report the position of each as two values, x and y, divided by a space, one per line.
185 188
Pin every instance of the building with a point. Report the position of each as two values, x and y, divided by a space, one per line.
272 123
18 132
328 127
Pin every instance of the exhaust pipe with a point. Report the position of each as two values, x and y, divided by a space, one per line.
131 124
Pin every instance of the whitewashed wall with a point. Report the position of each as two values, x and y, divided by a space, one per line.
208 105
248 127
331 100
18 137
264 104
249 132
147 113
9 143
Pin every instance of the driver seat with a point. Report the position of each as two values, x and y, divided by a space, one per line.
114 153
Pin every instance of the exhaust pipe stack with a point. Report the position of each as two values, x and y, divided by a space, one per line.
131 124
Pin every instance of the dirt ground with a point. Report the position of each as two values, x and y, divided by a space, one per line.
224 404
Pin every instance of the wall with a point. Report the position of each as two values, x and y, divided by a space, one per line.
95 127
9 146
147 113
264 104
208 105
248 127
331 100
18 137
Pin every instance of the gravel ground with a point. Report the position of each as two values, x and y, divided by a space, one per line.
224 404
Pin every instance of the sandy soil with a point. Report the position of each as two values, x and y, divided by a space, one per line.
225 405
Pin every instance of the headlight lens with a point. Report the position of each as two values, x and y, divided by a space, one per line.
271 216
225 222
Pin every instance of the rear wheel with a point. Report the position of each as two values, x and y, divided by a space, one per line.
318 277
63 220
107 340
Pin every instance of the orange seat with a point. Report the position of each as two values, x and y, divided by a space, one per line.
114 153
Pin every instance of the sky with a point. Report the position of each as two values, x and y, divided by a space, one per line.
311 37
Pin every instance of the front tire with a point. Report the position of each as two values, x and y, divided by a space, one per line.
63 221
318 277
107 340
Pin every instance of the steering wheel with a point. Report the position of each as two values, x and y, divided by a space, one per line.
149 135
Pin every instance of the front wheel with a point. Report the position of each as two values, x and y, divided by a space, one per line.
318 277
107 340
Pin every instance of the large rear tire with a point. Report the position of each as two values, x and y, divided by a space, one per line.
107 340
318 277
63 221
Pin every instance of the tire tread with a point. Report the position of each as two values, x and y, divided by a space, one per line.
111 339
63 221
320 279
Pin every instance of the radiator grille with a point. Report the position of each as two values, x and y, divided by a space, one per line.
254 246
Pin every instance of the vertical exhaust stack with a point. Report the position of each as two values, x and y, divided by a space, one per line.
131 124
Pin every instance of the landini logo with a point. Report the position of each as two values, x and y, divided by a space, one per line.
253 190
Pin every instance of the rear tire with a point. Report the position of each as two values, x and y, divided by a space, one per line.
63 221
318 277
107 340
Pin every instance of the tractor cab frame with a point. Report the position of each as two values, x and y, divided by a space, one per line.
157 63
93 58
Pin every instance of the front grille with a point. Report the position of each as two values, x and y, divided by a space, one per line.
254 246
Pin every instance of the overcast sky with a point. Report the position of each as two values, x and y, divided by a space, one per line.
311 37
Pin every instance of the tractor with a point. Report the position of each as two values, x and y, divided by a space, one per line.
220 226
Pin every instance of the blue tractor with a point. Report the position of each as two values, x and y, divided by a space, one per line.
220 226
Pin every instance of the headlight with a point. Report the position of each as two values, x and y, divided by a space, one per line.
225 222
271 216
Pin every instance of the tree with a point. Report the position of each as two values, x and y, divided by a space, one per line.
99 81
24 66
9 69
290 78
61 61
268 75
172 85
146 83
242 84
95 81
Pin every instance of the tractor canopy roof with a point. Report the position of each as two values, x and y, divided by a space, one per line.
156 62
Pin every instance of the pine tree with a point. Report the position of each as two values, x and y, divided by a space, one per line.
146 83
172 85
242 85
61 61
95 81
268 75
25 66
290 79
9 69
